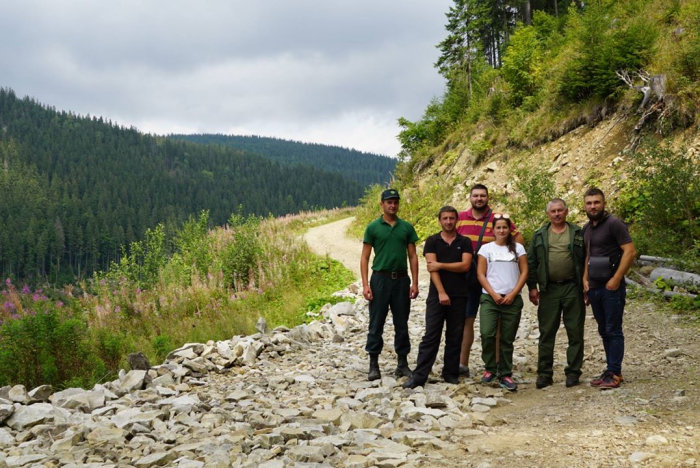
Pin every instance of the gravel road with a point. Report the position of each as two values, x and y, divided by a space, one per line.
652 420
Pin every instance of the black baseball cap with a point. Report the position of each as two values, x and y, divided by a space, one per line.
390 193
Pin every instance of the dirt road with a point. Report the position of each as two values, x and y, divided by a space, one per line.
652 420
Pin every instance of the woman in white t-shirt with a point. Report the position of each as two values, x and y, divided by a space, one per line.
502 272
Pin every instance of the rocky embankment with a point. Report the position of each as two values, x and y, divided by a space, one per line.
300 398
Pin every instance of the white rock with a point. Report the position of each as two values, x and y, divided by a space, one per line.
155 459
5 412
6 439
303 378
484 401
25 417
656 440
40 393
640 456
72 398
21 460
372 393
224 349
133 380
18 394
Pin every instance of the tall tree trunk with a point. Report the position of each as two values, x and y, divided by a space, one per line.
527 13
556 8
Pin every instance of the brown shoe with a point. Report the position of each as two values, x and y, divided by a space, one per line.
611 381
597 381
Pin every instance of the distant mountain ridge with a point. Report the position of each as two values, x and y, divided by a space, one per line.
75 189
364 168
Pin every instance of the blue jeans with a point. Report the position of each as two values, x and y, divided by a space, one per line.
473 302
608 307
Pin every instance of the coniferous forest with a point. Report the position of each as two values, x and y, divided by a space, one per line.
365 168
75 189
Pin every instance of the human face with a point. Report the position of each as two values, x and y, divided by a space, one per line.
557 214
448 221
501 229
390 206
594 206
479 198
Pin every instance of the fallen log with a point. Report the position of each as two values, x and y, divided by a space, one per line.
677 278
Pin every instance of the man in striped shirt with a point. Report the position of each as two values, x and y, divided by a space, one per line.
469 224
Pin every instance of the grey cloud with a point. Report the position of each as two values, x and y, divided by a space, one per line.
216 65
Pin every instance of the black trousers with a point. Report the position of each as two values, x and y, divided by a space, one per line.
394 294
435 316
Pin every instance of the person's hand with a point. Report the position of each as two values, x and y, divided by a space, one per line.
433 266
534 296
508 299
497 298
414 291
613 284
367 292
585 298
444 299
585 285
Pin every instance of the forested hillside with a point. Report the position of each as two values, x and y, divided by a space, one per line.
546 98
365 168
75 189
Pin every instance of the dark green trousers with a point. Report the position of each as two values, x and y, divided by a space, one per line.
395 294
489 313
565 300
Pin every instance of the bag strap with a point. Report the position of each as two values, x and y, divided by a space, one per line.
483 230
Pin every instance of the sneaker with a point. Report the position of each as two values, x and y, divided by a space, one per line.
464 370
507 383
487 377
597 381
543 381
572 381
611 381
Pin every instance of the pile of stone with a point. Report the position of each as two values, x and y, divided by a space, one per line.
285 397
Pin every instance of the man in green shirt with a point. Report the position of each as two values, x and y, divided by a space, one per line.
556 260
392 238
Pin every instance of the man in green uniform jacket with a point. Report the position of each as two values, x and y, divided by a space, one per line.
556 260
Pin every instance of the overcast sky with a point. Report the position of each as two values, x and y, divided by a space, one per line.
335 72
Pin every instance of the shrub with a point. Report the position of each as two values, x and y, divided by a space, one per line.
661 198
42 343
603 44
534 187
240 257
162 345
521 64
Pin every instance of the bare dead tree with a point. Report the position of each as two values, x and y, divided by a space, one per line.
652 85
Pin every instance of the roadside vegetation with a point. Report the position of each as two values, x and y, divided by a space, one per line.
194 286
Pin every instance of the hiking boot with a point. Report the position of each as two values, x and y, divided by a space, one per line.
543 381
572 381
374 373
488 377
412 383
611 381
451 379
507 383
464 370
402 369
599 380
